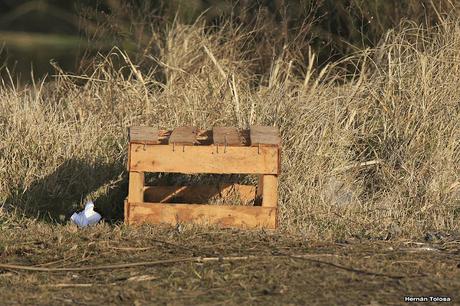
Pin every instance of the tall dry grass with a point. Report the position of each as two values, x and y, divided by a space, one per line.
373 154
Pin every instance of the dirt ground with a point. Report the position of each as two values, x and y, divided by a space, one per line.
208 266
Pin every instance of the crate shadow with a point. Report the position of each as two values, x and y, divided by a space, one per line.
56 196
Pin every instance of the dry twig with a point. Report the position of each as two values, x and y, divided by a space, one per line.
308 257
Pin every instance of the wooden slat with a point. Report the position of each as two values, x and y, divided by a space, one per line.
204 159
270 191
143 134
264 135
222 215
226 136
260 185
184 135
136 186
199 194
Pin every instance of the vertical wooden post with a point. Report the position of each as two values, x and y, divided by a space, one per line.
126 211
270 191
136 187
260 185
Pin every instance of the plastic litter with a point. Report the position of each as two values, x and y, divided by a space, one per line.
86 217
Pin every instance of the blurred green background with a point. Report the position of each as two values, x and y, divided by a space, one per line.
34 34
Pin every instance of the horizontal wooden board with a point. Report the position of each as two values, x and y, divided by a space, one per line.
226 136
264 135
184 135
204 159
143 134
199 194
222 215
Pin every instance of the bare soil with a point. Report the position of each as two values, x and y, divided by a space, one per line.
212 266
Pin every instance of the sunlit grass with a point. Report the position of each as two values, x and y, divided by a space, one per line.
362 155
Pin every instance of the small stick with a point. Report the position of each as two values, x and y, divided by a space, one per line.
355 165
349 269
91 268
213 59
54 262
122 266
198 260
68 285
172 195
131 248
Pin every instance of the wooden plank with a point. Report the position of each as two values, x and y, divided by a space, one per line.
270 191
199 194
222 215
129 157
204 159
136 187
126 211
260 185
184 135
143 134
226 136
264 135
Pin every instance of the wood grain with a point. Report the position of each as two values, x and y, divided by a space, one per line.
260 185
136 186
264 135
186 150
199 194
204 159
270 191
226 136
224 216
143 134
184 135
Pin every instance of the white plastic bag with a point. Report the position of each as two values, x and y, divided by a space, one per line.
86 217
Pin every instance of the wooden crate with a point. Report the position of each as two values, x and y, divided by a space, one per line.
222 150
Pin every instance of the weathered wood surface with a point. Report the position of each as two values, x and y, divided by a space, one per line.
264 135
204 159
126 211
226 136
199 194
184 135
187 150
188 135
260 185
225 216
143 134
136 186
270 191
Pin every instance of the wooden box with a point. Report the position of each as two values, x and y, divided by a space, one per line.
222 150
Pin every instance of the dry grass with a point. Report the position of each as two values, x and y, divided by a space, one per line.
64 141
256 268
